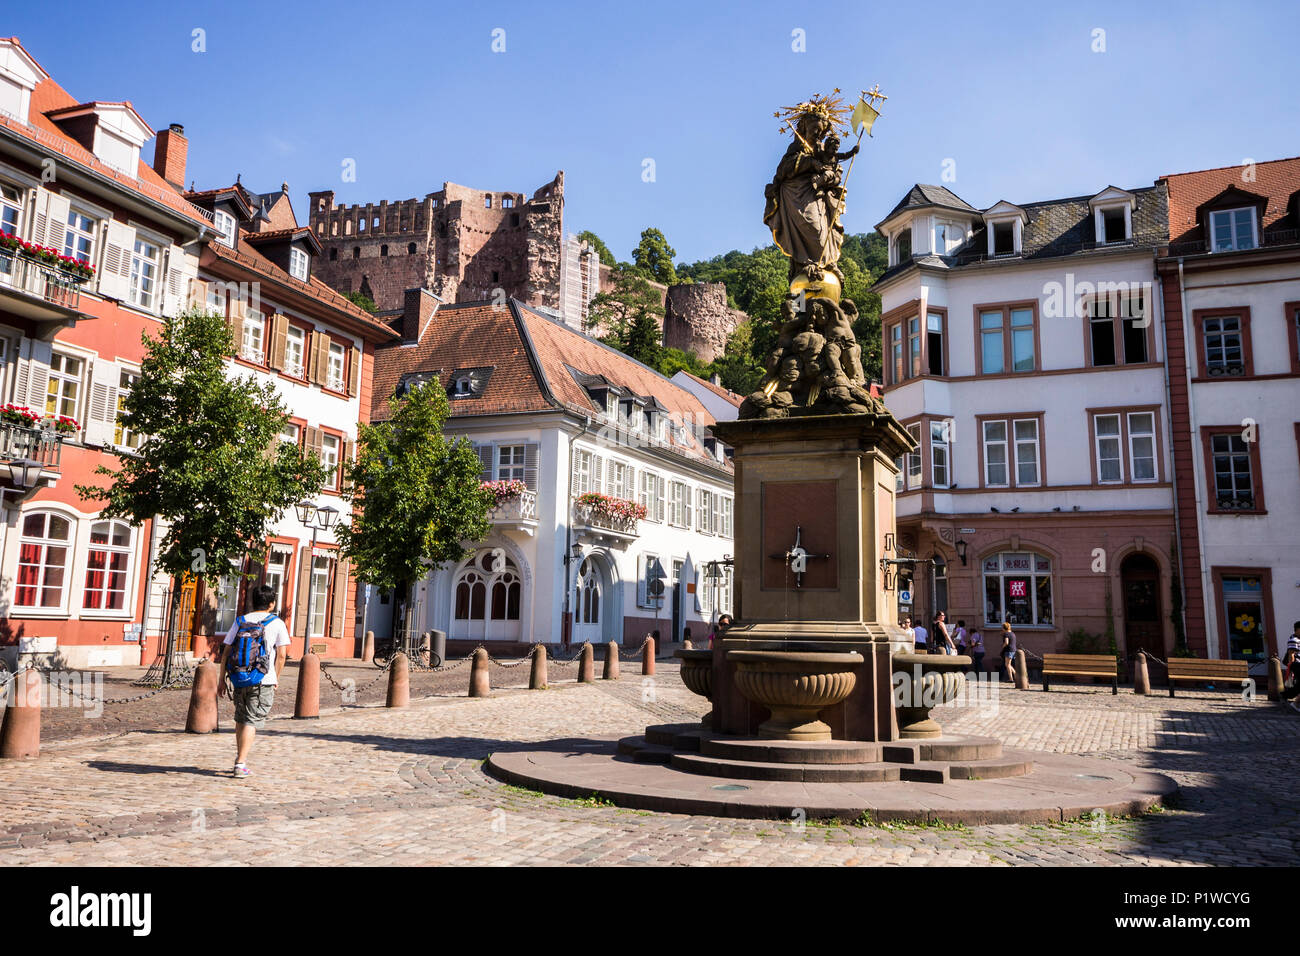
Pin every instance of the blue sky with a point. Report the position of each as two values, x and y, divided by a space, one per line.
413 92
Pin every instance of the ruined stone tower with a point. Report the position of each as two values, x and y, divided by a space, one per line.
461 244
697 319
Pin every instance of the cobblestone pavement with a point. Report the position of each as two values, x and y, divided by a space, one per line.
370 785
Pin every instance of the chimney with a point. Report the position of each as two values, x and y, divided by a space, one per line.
418 308
170 151
715 379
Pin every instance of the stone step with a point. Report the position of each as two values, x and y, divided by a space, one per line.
942 771
642 751
793 772
791 751
681 736
957 749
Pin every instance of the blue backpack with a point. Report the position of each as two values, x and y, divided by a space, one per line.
248 661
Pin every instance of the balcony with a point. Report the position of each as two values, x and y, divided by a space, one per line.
38 290
596 522
18 442
1270 238
516 514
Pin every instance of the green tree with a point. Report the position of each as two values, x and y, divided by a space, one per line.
602 250
644 339
736 366
631 298
416 495
212 467
671 361
361 300
654 256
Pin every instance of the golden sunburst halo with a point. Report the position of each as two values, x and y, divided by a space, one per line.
830 108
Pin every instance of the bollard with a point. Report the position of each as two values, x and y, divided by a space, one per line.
479 683
537 674
1274 679
1022 671
21 734
586 665
610 671
648 658
368 648
399 681
202 716
1141 677
307 704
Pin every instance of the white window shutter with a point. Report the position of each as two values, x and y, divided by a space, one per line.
532 452
485 453
661 484
597 473
642 594
101 415
181 270
38 375
629 483
51 219
115 271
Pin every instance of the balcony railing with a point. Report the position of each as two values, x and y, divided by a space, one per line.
1274 237
35 444
39 279
597 519
522 508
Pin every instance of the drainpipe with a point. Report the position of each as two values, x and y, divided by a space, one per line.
566 626
1206 586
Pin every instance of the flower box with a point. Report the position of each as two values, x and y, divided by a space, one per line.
47 255
13 414
64 424
504 491
609 507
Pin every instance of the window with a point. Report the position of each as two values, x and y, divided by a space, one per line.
410 248
291 435
507 202
1234 488
679 505
510 463
1018 589
1110 460
704 512
487 201
383 251
124 437
144 273
11 209
896 352
947 237
329 457
1242 599
298 261
1232 229
1012 452
1142 446
1004 239
651 495
79 239
253 343
334 255
934 342
277 572
728 507
914 458
903 247
42 560
356 252
317 614
225 224
107 565
939 435
295 347
335 377
900 478
1008 339
582 468
1117 327
64 386
914 346
1224 344
1114 225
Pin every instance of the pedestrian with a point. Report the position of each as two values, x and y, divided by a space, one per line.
686 635
252 657
975 644
921 638
906 625
1008 651
720 629
959 637
1291 670
942 643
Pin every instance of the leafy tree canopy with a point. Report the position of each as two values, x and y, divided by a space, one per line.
654 257
361 300
602 250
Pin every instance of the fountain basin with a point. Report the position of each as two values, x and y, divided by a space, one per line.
922 682
697 675
795 686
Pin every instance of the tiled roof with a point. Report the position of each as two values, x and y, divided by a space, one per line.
531 356
40 129
1277 179
724 393
926 195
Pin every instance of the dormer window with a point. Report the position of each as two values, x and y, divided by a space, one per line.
1114 225
947 237
224 223
1232 229
903 246
298 261
464 385
1004 238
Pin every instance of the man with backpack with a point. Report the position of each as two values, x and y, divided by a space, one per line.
252 657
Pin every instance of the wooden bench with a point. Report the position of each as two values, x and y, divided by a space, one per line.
1081 665
1205 671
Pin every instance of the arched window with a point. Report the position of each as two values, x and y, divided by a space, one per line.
108 565
487 201
410 248
588 586
507 202
42 560
470 594
490 575
383 250
334 254
1018 588
356 252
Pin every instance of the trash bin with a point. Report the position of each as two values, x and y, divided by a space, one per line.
437 648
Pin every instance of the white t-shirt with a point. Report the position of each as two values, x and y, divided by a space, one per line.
275 635
920 634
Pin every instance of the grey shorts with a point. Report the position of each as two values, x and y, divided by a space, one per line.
253 704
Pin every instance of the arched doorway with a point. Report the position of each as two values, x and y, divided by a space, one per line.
1143 626
588 598
487 595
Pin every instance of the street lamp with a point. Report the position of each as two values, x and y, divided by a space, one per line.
961 551
25 473
320 519
574 553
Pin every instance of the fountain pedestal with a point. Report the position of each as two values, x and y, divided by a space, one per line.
826 484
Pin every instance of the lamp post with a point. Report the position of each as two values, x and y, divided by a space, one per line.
574 553
319 519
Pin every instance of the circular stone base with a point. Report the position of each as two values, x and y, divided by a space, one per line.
1060 787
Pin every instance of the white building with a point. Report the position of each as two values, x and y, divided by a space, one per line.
570 418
